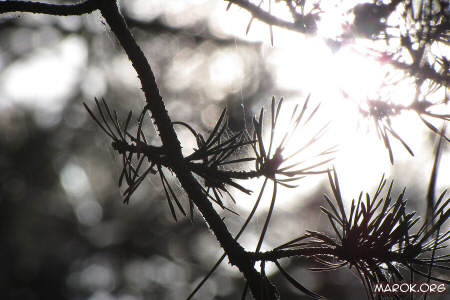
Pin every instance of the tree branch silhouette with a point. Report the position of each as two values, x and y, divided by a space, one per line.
81 8
171 144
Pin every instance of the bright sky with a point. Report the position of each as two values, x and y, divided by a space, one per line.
44 79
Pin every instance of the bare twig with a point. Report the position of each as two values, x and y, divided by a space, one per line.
81 8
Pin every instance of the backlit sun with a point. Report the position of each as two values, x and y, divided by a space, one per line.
342 77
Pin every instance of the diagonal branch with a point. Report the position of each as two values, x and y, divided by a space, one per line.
235 252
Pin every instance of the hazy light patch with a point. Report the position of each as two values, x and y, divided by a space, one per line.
186 13
213 72
438 97
360 164
210 252
48 118
129 297
187 140
294 68
75 183
226 72
174 13
210 115
301 195
250 239
98 276
89 213
180 110
209 289
287 199
356 74
444 171
185 67
400 92
144 9
94 83
70 23
21 41
157 270
246 202
2 62
416 138
122 71
47 77
102 295
74 180
423 147
234 23
106 234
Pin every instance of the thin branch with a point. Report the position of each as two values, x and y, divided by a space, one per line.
275 255
434 173
264 16
77 9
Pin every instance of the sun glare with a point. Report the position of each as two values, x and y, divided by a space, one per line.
343 79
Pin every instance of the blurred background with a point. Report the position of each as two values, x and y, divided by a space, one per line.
64 231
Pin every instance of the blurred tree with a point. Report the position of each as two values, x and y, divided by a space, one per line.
64 235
